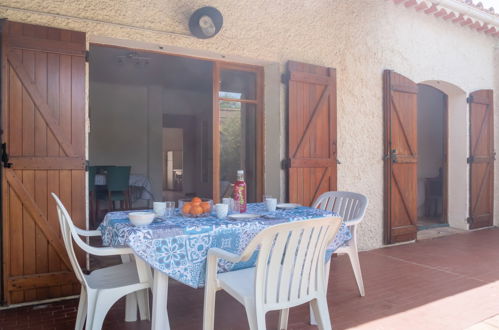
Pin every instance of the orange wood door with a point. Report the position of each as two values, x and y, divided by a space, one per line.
43 122
481 159
311 159
401 159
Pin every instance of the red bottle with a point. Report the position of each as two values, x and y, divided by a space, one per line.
239 193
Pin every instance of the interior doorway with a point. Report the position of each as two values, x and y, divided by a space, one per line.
432 160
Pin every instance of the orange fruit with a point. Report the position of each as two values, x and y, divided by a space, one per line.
196 200
206 207
186 209
196 210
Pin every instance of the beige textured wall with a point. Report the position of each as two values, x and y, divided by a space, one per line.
360 38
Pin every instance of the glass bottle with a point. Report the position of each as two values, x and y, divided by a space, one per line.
239 193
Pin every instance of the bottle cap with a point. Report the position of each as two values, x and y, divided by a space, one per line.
240 172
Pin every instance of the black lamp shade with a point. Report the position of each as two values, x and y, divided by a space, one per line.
205 22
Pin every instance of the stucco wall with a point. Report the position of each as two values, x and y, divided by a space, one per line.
359 38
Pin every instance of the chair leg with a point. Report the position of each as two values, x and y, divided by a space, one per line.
91 211
313 321
110 202
103 303
82 310
210 294
283 319
353 255
143 302
91 302
321 310
256 320
131 307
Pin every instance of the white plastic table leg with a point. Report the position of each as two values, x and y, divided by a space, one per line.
160 319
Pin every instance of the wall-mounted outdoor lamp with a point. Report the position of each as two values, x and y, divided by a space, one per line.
205 22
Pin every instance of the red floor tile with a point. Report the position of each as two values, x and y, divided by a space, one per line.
446 283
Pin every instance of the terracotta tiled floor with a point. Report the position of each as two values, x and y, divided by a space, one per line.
446 283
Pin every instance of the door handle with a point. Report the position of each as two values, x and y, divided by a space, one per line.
5 156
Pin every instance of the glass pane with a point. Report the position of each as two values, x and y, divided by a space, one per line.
237 146
238 84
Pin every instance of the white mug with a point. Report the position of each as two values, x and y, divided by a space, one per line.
222 210
159 208
271 204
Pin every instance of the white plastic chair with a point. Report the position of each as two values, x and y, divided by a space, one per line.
103 287
289 271
352 208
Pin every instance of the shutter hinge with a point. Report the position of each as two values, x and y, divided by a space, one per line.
87 56
286 164
87 165
470 159
285 77
469 99
469 219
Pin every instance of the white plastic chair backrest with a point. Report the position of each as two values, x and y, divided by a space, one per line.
69 233
349 205
290 266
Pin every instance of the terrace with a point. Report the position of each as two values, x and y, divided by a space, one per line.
450 282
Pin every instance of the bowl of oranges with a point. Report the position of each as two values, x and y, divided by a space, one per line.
196 207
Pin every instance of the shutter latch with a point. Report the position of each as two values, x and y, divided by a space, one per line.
286 164
470 159
285 77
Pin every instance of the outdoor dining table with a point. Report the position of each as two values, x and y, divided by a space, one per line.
177 246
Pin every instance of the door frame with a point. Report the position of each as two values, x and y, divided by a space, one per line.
219 64
445 167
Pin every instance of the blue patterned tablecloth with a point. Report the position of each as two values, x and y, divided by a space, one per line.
178 246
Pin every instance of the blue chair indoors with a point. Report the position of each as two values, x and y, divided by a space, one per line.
96 194
118 187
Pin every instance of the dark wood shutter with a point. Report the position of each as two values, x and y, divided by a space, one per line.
481 159
311 132
43 122
401 113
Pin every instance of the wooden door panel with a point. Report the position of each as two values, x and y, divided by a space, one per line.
311 132
400 111
44 126
481 159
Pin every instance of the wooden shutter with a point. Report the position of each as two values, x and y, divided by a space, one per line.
43 122
400 113
481 159
311 132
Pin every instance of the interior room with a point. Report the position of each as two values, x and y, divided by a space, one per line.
431 151
151 115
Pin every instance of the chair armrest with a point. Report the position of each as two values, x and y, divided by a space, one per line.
88 233
219 253
103 251
353 222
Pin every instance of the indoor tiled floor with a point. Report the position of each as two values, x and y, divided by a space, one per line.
450 282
